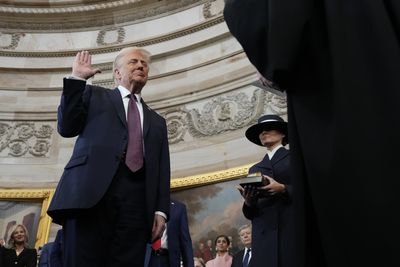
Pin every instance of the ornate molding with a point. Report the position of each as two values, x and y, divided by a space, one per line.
213 8
25 139
117 47
209 178
18 194
221 114
87 16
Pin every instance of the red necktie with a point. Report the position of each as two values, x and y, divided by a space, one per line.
156 244
134 151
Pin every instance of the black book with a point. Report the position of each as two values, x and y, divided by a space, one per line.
253 179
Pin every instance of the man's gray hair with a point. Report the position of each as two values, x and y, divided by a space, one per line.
245 226
127 50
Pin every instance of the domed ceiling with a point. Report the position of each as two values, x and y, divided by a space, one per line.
75 14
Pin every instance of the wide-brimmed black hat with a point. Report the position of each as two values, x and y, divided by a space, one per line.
267 122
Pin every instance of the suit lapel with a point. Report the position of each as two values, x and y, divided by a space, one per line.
116 99
279 155
146 118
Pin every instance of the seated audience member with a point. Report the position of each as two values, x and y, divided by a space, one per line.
243 257
198 262
222 258
19 254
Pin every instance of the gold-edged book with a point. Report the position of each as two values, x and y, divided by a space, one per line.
253 179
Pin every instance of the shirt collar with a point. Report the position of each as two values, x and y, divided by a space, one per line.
275 149
125 92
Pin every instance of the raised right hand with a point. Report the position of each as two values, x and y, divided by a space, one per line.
82 66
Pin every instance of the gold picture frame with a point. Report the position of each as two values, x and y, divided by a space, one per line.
209 178
38 197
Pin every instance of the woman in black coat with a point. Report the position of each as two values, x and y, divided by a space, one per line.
18 254
269 207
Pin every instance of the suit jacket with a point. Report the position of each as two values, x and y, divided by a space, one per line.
97 116
27 258
44 260
339 63
272 227
179 241
237 260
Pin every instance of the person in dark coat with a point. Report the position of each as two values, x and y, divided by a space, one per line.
269 207
113 196
176 241
339 63
18 253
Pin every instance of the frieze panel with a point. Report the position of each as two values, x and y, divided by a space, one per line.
221 114
111 36
10 40
25 139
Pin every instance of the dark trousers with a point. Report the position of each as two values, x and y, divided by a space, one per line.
159 260
114 232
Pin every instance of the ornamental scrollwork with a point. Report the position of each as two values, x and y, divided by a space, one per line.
213 8
221 114
25 139
226 113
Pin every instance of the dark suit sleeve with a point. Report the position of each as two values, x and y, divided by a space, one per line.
72 111
185 240
31 259
163 203
270 33
44 255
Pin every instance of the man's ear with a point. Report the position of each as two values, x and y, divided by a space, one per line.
117 74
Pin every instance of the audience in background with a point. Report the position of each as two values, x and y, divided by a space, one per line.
243 257
222 257
198 262
18 254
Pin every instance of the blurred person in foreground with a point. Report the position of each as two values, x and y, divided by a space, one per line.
338 62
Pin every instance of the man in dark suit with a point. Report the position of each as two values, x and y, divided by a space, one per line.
175 242
113 196
51 253
243 257
339 63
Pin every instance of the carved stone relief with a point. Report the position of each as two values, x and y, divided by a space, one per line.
10 40
221 114
111 36
213 8
25 139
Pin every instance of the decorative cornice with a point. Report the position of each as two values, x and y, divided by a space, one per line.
209 178
68 10
114 48
87 16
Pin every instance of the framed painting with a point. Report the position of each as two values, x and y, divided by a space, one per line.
214 207
27 207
